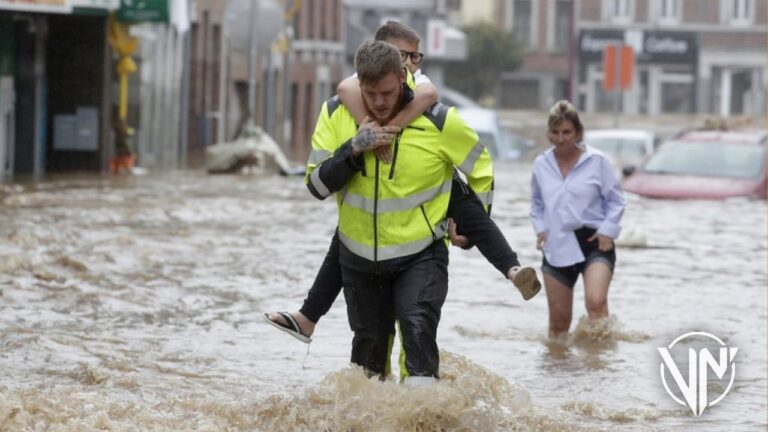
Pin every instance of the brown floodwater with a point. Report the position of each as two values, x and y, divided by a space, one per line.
134 304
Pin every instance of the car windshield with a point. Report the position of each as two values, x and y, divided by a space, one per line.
628 151
715 159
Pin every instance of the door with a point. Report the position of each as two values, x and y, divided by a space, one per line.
7 122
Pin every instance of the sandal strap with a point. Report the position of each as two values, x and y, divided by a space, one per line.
294 325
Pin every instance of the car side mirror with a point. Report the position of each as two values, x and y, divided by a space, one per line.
628 170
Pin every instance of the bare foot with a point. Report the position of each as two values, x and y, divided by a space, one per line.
307 326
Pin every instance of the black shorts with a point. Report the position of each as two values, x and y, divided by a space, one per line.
569 274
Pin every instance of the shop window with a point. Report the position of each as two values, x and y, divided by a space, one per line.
747 92
676 97
605 101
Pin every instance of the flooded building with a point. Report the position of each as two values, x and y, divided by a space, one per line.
61 89
55 79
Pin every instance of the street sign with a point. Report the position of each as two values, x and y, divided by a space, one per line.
143 11
436 36
267 23
618 65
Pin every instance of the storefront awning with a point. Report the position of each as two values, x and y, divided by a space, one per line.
40 6
57 6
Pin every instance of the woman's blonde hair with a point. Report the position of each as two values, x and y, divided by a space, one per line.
564 110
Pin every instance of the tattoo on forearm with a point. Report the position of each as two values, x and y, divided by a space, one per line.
363 140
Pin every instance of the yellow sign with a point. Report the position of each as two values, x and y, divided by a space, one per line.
49 6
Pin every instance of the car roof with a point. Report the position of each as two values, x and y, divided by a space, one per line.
619 133
733 137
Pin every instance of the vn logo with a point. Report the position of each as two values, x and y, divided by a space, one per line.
702 366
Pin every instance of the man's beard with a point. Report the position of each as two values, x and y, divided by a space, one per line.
395 111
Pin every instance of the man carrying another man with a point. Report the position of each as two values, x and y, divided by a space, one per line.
392 217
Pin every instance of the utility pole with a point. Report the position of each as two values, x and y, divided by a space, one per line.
252 55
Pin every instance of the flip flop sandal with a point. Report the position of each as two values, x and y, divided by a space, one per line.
292 328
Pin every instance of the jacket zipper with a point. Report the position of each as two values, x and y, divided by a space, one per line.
394 156
375 220
426 219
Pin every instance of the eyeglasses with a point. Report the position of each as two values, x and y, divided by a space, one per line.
415 56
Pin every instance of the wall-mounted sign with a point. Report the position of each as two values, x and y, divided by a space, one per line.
649 46
144 11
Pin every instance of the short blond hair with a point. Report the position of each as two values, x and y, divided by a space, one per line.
564 110
374 60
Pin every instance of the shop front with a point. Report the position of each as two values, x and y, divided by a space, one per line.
664 75
54 86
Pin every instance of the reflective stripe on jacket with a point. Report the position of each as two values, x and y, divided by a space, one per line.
393 210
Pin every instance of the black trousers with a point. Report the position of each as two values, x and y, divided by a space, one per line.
412 291
471 220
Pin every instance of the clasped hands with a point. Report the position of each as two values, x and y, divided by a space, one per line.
373 137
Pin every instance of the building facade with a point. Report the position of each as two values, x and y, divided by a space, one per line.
545 30
703 56
293 73
441 42
315 64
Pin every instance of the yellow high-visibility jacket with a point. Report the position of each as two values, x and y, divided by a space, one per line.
394 210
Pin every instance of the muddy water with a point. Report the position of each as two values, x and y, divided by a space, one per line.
134 304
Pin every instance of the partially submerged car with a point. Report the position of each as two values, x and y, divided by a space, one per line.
501 144
624 147
704 165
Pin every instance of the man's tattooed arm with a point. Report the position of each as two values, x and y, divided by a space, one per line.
363 141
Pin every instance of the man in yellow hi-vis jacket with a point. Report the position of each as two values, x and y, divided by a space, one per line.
392 217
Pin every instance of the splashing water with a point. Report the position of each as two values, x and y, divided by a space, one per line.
468 397
133 304
602 331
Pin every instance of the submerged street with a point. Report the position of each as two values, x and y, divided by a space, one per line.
134 303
